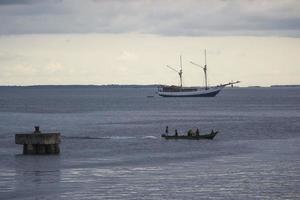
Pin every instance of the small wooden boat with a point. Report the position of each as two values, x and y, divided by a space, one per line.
209 136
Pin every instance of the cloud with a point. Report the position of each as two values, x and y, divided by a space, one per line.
168 17
12 2
22 2
8 56
54 67
127 56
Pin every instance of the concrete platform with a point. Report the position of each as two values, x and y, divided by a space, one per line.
38 142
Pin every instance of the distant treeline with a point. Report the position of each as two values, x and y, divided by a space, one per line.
85 86
117 86
285 85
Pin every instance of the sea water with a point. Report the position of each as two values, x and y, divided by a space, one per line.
111 146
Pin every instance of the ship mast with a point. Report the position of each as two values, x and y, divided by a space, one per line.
204 69
179 72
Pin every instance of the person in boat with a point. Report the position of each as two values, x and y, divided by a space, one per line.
197 132
176 133
190 132
167 130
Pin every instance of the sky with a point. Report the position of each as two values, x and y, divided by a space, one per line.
132 41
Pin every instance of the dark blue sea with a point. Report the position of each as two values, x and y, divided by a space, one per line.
111 146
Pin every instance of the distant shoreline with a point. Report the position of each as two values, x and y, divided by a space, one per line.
83 86
124 86
285 86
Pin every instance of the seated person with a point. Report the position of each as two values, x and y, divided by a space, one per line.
190 132
197 132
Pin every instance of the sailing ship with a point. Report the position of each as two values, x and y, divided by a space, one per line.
180 91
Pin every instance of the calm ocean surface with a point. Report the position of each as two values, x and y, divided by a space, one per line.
256 155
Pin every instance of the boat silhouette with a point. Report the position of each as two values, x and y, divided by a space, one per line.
192 136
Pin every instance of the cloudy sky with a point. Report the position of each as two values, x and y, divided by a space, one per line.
131 41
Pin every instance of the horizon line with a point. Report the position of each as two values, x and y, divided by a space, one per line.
134 85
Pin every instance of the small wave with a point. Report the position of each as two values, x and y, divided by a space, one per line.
150 137
5 136
121 137
84 137
108 137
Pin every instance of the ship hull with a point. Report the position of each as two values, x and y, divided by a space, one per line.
211 92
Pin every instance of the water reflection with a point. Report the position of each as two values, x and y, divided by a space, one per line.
232 177
251 175
7 177
36 177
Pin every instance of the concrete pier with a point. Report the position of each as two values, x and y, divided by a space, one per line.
38 142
